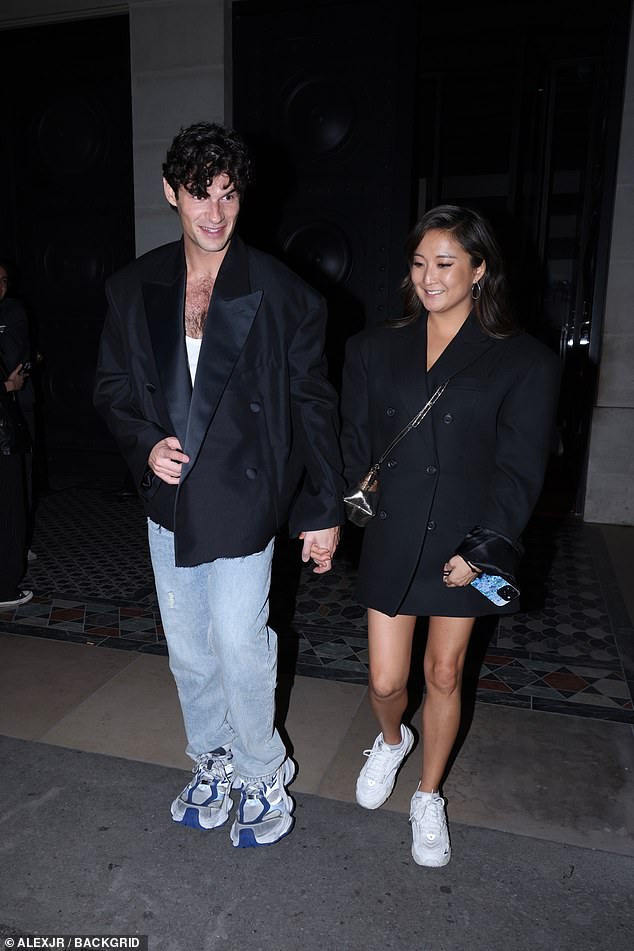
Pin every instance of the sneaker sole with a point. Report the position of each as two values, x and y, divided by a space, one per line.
410 743
247 840
16 603
190 815
444 860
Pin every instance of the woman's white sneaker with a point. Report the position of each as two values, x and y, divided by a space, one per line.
430 835
376 779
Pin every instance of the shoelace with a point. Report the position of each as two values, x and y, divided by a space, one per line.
255 788
208 768
379 763
432 811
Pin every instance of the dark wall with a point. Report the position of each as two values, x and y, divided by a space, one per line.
366 114
324 93
522 122
67 219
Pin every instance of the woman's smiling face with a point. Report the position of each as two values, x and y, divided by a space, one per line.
443 275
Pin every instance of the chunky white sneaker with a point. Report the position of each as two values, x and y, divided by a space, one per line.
205 802
265 812
430 836
376 779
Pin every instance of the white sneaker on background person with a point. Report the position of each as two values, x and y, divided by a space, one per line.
21 597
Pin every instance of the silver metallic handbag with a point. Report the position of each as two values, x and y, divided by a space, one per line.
361 500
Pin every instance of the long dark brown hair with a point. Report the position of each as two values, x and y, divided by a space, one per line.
475 236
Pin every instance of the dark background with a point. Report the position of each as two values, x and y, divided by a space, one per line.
361 117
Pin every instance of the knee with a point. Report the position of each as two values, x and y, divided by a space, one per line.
443 677
385 687
241 638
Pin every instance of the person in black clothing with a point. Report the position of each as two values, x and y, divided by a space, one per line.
14 448
17 348
212 378
455 494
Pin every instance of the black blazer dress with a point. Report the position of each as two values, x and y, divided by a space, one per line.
478 458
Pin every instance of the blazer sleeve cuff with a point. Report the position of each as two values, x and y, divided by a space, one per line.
492 552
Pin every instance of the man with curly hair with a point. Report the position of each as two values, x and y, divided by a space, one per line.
211 376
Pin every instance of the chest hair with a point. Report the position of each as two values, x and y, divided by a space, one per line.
197 297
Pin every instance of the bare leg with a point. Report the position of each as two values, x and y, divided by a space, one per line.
445 653
390 649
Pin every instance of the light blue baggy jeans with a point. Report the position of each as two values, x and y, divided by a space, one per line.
222 653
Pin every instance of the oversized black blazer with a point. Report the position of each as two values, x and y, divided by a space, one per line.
261 425
478 459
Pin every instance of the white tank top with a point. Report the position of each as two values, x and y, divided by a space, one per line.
193 352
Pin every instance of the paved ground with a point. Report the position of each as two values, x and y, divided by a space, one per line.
88 847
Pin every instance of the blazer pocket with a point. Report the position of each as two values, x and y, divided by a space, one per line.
149 398
466 383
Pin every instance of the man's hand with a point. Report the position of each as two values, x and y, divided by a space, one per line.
15 380
166 460
321 547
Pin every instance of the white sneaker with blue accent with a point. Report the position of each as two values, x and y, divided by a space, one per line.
430 835
376 779
205 802
265 812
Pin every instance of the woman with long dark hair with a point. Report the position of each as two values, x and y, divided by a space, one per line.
455 493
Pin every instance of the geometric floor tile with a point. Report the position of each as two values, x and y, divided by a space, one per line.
93 584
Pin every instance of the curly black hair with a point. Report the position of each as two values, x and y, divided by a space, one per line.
201 152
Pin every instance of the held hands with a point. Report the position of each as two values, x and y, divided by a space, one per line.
457 573
321 547
166 460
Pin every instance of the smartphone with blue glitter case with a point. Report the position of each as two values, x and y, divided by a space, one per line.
496 589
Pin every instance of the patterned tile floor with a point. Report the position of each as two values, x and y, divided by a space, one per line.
566 652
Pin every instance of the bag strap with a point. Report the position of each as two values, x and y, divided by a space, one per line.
370 475
413 423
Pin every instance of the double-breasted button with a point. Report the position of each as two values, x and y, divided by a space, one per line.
150 388
392 464
431 470
390 411
254 407
382 514
251 473
447 418
431 525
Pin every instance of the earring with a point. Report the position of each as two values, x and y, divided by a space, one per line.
476 290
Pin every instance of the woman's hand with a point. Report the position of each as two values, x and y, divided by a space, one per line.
15 380
320 546
457 573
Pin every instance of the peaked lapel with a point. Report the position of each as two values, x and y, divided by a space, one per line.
408 358
164 301
232 310
469 344
414 383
